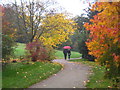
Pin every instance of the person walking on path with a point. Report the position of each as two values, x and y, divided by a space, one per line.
65 51
69 53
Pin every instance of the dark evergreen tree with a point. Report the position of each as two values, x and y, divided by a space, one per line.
82 34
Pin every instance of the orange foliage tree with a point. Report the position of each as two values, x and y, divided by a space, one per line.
104 42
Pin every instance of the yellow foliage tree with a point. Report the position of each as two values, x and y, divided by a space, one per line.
57 29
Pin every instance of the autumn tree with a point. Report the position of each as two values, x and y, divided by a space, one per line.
57 29
34 21
105 37
8 36
27 17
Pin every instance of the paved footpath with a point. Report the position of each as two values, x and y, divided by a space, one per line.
73 75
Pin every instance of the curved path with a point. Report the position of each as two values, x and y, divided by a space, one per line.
73 75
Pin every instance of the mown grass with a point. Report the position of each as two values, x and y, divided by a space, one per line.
19 75
59 54
19 50
96 79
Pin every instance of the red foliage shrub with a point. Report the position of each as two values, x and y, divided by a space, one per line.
36 51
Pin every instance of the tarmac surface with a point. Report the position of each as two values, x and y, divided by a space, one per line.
73 75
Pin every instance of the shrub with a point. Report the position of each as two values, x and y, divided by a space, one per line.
37 51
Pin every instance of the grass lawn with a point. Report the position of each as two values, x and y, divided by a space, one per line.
20 50
96 80
59 54
19 75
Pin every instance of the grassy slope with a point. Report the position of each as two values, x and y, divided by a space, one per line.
20 50
59 54
18 75
97 79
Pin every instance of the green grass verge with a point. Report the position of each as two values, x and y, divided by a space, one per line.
19 75
96 79
59 54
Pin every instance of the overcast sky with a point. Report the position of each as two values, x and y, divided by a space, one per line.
74 7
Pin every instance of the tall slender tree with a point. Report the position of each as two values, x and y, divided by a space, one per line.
82 34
